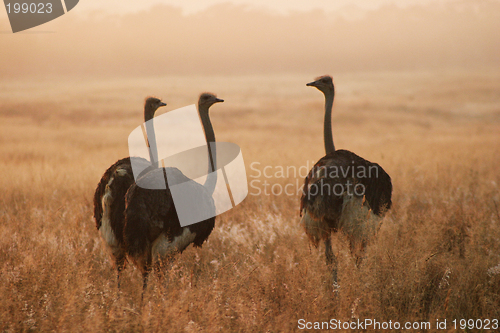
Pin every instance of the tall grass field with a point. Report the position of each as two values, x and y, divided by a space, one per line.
435 257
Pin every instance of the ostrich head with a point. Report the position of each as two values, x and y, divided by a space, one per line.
323 83
206 100
150 106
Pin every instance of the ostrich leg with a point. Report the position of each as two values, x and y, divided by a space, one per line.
331 259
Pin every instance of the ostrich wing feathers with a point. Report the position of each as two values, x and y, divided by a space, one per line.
339 173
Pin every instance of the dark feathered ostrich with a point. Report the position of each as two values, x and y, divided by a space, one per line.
109 197
152 229
342 192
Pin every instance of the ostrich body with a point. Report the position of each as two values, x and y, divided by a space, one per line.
109 197
152 229
342 192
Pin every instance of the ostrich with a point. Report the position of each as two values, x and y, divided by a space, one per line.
109 197
342 192
152 229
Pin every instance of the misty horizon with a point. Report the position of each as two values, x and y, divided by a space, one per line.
233 39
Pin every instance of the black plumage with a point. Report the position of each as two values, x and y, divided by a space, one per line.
339 174
109 197
152 230
342 192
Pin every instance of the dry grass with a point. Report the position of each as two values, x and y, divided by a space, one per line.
435 255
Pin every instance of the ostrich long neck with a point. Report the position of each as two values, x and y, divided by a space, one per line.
211 180
328 135
149 113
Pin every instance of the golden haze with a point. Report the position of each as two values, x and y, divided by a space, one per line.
228 39
437 253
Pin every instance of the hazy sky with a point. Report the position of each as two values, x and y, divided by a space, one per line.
281 6
132 38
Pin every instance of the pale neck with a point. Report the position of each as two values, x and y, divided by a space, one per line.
211 179
328 135
149 113
150 132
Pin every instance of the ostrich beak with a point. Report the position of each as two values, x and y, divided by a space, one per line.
163 104
311 84
218 100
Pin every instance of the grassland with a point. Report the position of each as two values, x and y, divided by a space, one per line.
436 256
